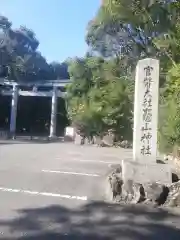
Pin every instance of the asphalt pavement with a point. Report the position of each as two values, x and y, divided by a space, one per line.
56 191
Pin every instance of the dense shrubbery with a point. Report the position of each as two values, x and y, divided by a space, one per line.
98 98
169 134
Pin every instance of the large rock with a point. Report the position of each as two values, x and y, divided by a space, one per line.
127 192
173 199
139 194
175 162
156 193
115 181
125 144
89 141
97 140
79 140
175 177
86 141
108 140
132 192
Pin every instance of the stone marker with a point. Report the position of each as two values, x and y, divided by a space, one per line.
146 110
97 140
108 140
69 133
78 139
144 167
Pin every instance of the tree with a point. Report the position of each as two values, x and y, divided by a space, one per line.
98 98
135 29
59 70
170 112
128 30
169 134
16 44
20 59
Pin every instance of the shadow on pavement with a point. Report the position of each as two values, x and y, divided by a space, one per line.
97 220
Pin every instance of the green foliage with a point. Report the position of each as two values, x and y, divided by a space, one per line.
20 60
98 98
124 31
136 29
169 134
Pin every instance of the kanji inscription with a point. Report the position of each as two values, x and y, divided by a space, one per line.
146 133
146 110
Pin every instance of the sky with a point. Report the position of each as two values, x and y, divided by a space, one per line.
59 25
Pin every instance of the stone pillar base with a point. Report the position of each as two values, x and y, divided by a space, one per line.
146 172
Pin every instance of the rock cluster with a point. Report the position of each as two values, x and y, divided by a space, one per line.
105 141
131 192
108 140
173 198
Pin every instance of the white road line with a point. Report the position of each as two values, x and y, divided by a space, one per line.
71 173
47 194
94 161
88 161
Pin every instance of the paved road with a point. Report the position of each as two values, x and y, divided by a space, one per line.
54 191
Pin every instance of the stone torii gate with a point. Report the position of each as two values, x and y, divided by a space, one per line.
54 91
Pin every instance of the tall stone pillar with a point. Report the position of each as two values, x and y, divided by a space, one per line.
144 168
14 111
53 113
146 110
